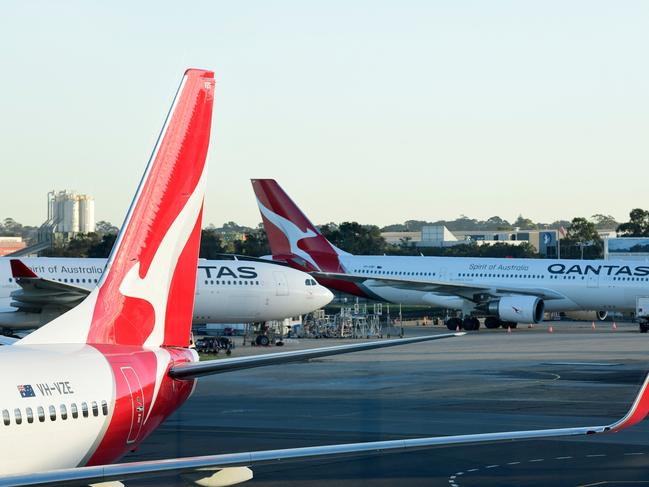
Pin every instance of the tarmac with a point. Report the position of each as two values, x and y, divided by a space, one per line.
486 381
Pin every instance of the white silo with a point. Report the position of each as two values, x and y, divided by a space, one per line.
86 214
71 214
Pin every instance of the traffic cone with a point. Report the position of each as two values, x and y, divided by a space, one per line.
509 329
458 328
593 325
550 329
614 326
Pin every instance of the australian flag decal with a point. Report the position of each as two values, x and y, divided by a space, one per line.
26 391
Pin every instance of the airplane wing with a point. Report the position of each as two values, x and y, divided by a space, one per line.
38 293
235 465
191 370
442 287
5 340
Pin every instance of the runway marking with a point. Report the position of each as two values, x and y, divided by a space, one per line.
585 364
453 482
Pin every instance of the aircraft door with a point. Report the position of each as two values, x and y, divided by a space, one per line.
281 284
137 403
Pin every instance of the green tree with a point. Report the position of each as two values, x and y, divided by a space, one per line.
355 238
211 244
78 246
103 228
524 223
103 248
255 244
637 226
582 241
604 221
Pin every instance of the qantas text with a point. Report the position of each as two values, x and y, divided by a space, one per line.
604 270
216 272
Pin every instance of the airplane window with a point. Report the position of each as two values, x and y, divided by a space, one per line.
211 282
41 413
257 282
307 282
104 408
65 280
18 415
64 412
10 279
52 413
5 417
228 282
206 282
74 410
30 415
95 409
84 409
218 282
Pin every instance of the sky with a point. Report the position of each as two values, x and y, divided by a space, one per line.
376 112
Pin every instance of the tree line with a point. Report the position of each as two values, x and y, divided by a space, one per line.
581 240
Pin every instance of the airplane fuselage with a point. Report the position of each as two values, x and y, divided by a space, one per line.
227 291
584 284
56 414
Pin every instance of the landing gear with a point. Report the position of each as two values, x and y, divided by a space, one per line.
509 324
644 326
454 324
471 323
262 340
492 322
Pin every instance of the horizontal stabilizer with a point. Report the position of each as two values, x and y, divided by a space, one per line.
192 370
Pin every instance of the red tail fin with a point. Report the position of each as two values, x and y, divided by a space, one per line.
291 235
146 294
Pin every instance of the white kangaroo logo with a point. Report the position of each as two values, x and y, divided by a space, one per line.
292 232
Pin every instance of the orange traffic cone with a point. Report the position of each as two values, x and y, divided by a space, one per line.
458 328
509 329
593 325
614 326
550 329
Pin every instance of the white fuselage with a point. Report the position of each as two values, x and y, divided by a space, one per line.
68 405
584 284
227 291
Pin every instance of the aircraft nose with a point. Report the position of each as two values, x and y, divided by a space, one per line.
322 295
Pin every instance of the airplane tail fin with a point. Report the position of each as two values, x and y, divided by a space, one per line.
292 237
145 296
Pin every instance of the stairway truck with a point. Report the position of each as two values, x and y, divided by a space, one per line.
642 313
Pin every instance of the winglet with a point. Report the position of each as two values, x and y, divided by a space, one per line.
638 411
19 269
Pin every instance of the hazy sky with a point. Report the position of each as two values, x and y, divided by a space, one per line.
371 111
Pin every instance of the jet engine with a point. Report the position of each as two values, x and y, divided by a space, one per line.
517 309
586 315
